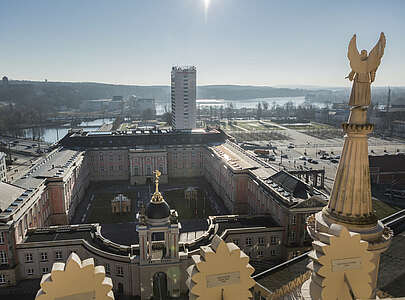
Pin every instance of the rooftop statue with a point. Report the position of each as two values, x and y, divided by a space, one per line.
157 196
363 70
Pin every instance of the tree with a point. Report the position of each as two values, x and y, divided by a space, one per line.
167 117
265 105
259 111
147 114
221 112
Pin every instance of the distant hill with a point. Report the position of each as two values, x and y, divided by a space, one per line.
72 93
51 95
241 92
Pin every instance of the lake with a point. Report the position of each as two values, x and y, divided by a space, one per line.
248 103
54 134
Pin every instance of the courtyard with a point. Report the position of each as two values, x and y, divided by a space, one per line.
97 208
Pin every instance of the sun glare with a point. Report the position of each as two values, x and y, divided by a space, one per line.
206 5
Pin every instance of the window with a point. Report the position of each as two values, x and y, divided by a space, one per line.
45 270
3 258
292 236
249 241
273 252
58 254
236 242
261 241
260 253
30 271
107 268
273 240
28 257
2 237
44 256
120 271
2 279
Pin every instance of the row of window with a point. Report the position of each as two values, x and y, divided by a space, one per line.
44 270
260 241
111 157
111 168
2 237
43 256
259 253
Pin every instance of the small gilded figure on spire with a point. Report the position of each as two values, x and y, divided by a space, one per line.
363 72
157 196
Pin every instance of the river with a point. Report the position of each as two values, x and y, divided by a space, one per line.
248 103
54 134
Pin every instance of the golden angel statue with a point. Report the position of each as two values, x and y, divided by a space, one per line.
363 70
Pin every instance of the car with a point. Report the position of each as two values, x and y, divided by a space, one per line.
302 158
324 157
315 162
16 141
28 147
309 160
272 157
34 145
284 156
335 161
291 146
337 157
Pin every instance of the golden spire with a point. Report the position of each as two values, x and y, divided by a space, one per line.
157 196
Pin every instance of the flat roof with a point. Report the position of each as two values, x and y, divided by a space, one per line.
137 137
9 193
244 222
54 165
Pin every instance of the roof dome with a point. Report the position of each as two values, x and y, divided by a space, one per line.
157 210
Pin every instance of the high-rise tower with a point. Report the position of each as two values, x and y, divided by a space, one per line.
183 92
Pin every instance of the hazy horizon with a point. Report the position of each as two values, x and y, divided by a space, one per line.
288 86
231 42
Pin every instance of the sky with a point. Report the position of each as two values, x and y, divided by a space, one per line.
248 42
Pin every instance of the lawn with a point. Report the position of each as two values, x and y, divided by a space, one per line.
383 209
176 200
101 212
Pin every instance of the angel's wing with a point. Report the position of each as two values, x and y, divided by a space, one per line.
353 55
374 58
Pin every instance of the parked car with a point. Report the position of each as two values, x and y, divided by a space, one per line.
315 162
302 158
335 161
309 160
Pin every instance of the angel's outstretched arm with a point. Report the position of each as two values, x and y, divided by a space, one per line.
351 75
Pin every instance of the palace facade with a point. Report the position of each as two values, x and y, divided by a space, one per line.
270 206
